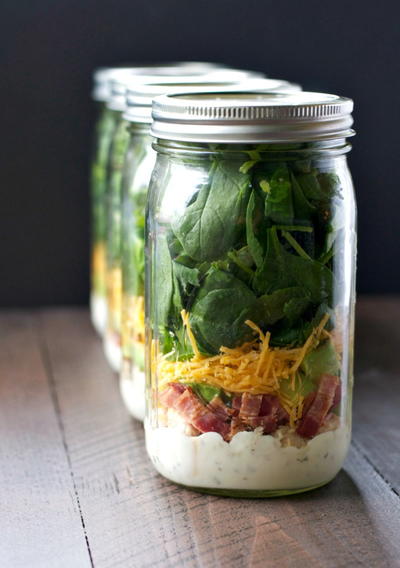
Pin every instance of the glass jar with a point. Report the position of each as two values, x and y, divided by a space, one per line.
138 167
250 288
104 129
105 79
110 205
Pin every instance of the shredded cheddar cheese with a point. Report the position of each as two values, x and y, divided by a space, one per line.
99 267
133 319
114 296
254 367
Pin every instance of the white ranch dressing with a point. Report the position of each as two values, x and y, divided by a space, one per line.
112 351
98 312
132 392
250 461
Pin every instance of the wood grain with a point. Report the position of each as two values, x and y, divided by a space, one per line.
40 521
133 517
377 386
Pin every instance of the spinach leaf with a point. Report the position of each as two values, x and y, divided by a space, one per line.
314 277
310 186
278 202
186 276
219 311
273 274
215 221
272 306
295 308
329 184
303 209
163 297
254 245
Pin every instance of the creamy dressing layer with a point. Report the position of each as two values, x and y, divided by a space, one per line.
112 351
250 461
98 312
132 391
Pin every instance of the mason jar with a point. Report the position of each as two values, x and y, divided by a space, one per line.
137 171
116 105
102 139
107 118
250 290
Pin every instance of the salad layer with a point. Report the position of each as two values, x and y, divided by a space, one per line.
247 282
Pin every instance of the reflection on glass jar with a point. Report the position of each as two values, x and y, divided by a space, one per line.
250 287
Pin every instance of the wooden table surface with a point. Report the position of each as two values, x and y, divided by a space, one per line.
77 489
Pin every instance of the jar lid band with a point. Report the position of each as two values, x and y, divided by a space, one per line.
126 83
139 97
103 77
251 117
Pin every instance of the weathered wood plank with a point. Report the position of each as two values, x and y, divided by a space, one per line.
39 514
133 517
377 385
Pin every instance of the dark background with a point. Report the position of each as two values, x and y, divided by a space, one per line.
49 49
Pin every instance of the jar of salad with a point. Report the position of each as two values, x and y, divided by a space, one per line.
250 287
138 167
117 147
104 130
103 134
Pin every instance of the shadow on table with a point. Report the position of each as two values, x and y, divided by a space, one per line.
331 526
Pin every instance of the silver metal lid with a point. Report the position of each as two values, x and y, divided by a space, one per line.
121 83
139 97
251 117
102 77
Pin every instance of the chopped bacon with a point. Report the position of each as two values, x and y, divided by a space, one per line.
236 426
250 407
195 413
170 395
218 406
271 414
268 423
319 407
269 405
309 399
237 402
248 411
282 417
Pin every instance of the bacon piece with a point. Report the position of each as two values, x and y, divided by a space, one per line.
236 426
268 423
282 417
250 407
218 406
268 414
195 413
309 399
170 395
236 404
319 407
